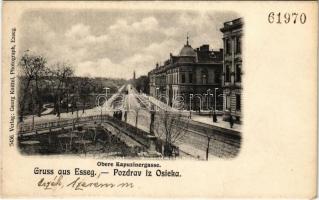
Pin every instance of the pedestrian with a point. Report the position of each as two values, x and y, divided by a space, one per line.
125 116
120 115
214 117
231 121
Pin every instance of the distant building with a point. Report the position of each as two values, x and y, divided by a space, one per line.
191 76
232 69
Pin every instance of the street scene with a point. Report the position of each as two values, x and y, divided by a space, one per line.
153 92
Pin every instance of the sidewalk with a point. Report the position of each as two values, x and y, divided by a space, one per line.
87 112
219 123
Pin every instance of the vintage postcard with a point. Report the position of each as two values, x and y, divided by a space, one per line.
159 99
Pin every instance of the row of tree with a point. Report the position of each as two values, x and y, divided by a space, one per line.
142 84
56 86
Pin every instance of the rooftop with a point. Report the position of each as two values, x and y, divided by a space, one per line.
233 24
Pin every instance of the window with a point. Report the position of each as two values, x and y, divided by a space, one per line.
238 73
217 76
183 78
227 73
204 77
228 46
238 44
176 78
238 102
190 78
227 102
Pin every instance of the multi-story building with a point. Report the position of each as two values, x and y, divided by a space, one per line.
190 77
232 69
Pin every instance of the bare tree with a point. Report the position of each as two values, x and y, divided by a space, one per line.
171 127
84 91
60 74
32 69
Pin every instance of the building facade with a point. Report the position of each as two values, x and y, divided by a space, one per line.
192 77
232 69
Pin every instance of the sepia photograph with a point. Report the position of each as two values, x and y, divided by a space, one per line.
161 99
157 84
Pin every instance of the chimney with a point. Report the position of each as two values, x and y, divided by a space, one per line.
204 47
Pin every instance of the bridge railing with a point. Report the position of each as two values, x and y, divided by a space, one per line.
29 127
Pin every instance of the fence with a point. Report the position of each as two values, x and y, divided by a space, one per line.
29 127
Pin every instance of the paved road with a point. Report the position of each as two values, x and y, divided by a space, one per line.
194 141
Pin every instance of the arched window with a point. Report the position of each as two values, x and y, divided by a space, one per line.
204 76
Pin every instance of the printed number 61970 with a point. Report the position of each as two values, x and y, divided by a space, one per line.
279 18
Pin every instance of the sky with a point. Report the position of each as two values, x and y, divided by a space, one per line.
114 43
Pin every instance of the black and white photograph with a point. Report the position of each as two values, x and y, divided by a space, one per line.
158 84
159 99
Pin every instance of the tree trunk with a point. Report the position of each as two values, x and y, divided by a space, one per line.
67 102
39 109
58 107
21 112
39 100
22 100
